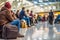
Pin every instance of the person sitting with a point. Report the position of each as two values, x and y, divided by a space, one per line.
31 18
27 18
23 15
17 14
7 16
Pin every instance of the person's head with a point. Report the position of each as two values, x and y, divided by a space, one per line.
27 10
17 10
23 8
7 5
31 11
50 10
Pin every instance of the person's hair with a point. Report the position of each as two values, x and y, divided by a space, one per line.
27 10
31 11
23 8
17 10
50 10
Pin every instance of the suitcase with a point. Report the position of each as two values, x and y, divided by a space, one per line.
23 24
9 32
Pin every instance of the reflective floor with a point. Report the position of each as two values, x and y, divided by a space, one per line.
41 31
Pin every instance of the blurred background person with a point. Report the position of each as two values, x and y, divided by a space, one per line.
51 17
31 18
17 14
22 13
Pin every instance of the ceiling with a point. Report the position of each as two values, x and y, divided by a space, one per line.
35 5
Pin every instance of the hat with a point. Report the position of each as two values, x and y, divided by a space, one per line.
7 5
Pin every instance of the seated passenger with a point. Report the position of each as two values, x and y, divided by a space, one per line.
17 14
31 18
7 16
27 18
23 15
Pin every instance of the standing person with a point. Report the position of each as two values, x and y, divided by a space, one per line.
43 19
51 17
22 13
7 16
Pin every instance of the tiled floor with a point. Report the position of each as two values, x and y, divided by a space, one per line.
41 31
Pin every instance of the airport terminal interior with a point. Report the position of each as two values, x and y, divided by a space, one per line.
43 27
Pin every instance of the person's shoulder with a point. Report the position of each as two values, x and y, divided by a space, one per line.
3 11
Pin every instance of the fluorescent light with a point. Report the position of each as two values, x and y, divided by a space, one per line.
45 3
19 3
54 7
35 2
40 0
45 7
50 3
35 6
41 5
17 0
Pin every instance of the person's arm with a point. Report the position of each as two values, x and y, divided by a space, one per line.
24 13
9 16
14 16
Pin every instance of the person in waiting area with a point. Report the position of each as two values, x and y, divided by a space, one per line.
27 18
51 16
7 16
31 18
22 13
17 14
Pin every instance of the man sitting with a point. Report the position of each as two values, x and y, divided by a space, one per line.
7 16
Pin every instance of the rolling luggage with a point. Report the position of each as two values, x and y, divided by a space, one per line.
9 32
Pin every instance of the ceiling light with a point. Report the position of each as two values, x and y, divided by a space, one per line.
40 0
45 3
35 2
17 0
41 5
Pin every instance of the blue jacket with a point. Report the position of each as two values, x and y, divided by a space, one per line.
22 14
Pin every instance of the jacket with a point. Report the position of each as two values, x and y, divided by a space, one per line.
5 17
22 14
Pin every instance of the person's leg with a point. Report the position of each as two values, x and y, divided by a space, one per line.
28 21
17 23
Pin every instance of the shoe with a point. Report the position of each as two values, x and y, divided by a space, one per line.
19 35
